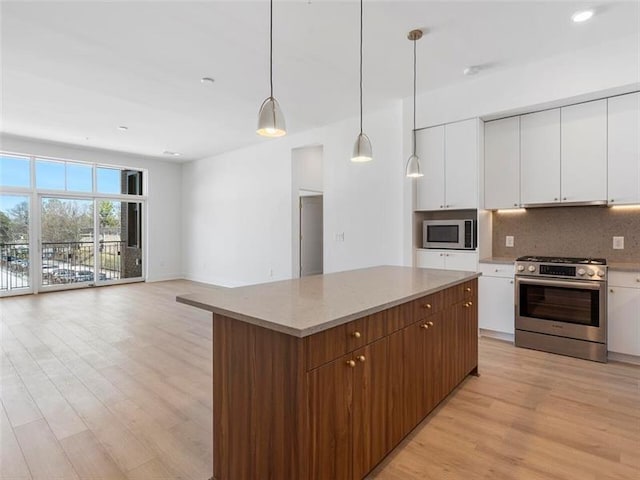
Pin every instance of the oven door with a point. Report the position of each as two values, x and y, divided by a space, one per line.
566 308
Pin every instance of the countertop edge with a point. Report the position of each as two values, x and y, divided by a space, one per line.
301 333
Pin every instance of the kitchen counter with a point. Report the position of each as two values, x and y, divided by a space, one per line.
304 306
499 260
624 267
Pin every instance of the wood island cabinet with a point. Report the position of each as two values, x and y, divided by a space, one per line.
332 405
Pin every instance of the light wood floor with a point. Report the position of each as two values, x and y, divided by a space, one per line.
115 383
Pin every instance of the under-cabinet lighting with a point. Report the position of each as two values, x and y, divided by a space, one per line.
625 207
511 210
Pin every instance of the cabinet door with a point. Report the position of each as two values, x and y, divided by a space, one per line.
624 149
430 187
330 398
414 378
584 152
496 304
502 163
540 157
461 165
452 361
623 329
370 393
465 261
433 391
469 332
430 259
396 428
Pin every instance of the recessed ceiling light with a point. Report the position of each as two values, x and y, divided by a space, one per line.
207 80
173 154
123 128
471 70
582 16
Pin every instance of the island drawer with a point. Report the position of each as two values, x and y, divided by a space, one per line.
427 306
325 346
458 293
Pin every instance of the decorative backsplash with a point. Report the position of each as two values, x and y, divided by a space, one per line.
568 231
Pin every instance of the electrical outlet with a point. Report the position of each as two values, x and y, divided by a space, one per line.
340 237
509 241
618 243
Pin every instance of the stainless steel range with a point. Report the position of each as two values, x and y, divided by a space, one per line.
561 306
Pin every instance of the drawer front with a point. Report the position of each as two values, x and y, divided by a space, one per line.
399 317
467 291
427 306
624 279
496 270
325 346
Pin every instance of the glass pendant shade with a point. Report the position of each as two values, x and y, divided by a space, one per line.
413 167
271 120
362 149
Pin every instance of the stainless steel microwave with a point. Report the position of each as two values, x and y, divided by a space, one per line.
454 234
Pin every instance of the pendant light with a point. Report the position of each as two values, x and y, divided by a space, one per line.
362 148
270 119
412 169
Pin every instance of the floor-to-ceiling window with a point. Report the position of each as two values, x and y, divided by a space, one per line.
68 224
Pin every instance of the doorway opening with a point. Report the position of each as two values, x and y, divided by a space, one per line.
311 233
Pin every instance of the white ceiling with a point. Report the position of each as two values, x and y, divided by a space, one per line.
74 71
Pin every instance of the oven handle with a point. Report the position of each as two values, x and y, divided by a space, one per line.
561 283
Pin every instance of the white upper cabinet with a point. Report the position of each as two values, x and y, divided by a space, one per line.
502 163
624 149
461 164
449 159
540 157
584 152
430 149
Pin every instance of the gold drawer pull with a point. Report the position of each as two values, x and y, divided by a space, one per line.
468 289
470 303
424 325
427 306
351 363
466 305
430 324
361 358
356 334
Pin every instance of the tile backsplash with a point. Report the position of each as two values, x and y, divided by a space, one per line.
568 231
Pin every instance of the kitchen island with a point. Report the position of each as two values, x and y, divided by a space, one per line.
321 377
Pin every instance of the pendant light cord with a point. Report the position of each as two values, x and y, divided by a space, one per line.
414 96
271 47
361 1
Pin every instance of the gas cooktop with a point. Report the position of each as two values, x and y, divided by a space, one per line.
570 260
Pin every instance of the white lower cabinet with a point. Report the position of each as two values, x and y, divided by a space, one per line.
623 329
496 298
447 260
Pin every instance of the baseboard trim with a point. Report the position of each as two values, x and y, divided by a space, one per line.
623 358
505 337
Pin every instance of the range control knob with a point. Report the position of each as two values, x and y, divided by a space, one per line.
591 273
521 268
600 273
581 271
532 268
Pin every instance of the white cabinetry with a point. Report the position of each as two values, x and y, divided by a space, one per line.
624 149
496 298
624 313
449 160
502 163
430 149
447 259
583 143
540 157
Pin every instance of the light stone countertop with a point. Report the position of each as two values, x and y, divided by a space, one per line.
304 306
499 260
624 266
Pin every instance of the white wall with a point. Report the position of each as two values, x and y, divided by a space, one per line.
610 68
237 215
163 196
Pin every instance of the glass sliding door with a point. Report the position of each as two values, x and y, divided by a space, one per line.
15 260
119 240
68 241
